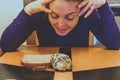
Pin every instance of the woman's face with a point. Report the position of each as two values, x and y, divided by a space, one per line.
64 16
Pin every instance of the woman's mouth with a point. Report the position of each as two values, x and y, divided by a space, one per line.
61 30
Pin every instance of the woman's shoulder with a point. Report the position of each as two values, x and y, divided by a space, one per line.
40 15
39 18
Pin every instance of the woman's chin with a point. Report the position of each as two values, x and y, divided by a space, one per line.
61 34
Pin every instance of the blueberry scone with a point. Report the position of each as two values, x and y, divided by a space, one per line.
61 61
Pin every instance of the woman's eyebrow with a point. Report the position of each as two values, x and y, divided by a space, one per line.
54 12
71 13
66 14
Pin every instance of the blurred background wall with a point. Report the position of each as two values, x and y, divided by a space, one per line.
9 9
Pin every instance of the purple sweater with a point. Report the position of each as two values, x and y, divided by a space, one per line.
101 23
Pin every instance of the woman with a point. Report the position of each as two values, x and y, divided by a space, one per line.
63 23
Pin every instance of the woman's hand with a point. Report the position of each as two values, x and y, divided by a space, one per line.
37 6
88 6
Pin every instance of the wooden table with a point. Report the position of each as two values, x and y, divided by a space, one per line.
83 59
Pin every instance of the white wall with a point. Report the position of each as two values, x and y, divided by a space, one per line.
9 9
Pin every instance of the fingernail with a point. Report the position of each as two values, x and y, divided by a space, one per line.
50 10
85 16
79 6
79 14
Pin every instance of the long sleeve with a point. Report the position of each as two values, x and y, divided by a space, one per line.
16 33
107 30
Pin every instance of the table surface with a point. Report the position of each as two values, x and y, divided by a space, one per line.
95 62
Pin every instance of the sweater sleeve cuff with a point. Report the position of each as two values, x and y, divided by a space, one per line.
105 10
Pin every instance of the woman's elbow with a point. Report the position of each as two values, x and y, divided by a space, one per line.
113 46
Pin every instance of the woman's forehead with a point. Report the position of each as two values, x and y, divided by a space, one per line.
63 6
67 14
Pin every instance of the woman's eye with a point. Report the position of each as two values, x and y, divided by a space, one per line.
54 16
70 17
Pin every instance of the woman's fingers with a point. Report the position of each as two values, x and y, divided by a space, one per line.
47 10
44 6
88 6
85 8
37 6
81 4
92 8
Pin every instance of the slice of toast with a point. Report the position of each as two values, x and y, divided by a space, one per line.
36 62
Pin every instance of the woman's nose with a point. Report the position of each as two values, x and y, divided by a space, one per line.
61 23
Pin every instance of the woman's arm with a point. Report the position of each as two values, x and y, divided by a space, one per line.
16 33
106 29
19 30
